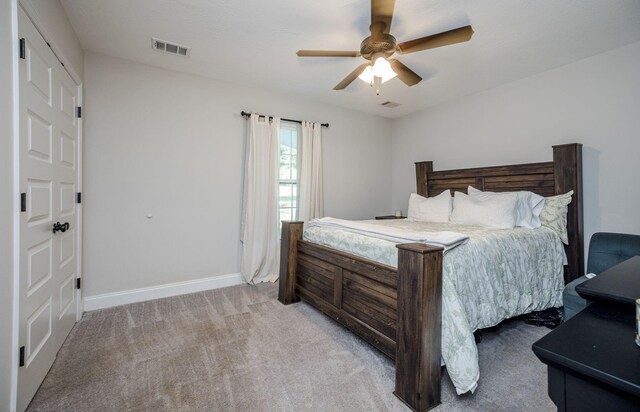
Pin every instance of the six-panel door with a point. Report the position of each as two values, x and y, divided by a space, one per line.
48 173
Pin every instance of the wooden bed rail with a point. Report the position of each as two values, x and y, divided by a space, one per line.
398 311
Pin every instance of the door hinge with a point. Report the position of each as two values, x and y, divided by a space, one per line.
23 49
78 283
23 202
79 112
79 197
21 356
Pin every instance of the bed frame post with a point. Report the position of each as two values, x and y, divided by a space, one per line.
291 233
419 325
422 177
567 175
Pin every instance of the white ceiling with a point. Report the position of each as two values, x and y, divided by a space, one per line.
253 42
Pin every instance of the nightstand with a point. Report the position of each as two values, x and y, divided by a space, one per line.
389 217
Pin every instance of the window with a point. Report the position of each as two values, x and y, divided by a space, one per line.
288 190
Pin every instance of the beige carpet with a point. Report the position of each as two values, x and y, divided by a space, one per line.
239 349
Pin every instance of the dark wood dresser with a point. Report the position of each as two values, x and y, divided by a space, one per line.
593 360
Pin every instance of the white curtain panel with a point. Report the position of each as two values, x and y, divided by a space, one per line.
311 201
260 226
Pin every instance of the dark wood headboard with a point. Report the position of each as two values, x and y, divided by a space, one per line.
559 176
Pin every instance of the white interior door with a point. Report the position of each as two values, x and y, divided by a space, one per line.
49 141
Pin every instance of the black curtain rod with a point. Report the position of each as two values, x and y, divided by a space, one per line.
245 114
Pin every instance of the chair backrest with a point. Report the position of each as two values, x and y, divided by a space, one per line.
609 249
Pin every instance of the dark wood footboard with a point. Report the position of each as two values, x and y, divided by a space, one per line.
398 311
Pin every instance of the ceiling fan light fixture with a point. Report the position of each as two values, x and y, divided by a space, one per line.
381 68
366 76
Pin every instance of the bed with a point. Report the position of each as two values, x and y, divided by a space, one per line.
397 306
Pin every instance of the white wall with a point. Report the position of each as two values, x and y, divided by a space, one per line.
8 200
52 22
595 101
172 145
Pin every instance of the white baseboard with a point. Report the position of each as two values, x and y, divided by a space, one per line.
109 300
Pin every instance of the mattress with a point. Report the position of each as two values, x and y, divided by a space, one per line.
497 274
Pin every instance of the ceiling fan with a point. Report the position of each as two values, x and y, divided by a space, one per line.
381 48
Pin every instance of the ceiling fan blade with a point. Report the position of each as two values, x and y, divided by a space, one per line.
351 77
446 38
405 74
381 12
327 53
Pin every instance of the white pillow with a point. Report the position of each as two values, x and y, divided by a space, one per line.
496 211
528 207
430 209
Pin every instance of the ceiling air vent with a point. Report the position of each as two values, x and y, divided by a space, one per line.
168 47
390 104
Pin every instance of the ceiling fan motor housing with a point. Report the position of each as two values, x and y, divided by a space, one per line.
384 46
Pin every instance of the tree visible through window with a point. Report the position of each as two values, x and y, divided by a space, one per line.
288 190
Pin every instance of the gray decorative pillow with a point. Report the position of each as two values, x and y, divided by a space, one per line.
554 214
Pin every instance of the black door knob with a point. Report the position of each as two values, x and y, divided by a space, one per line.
60 227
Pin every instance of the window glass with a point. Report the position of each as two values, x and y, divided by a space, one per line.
288 190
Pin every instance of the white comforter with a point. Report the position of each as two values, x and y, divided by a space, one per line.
495 275
447 239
